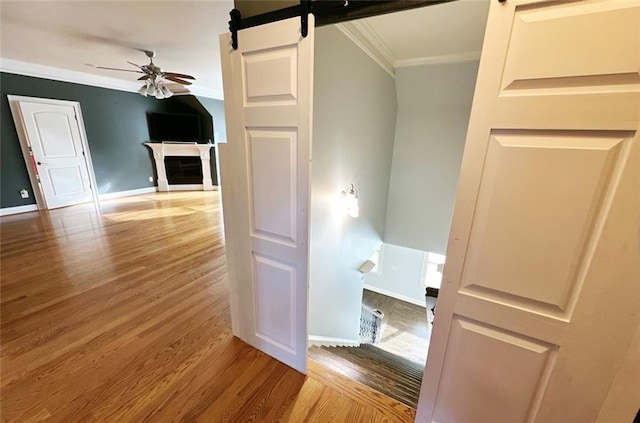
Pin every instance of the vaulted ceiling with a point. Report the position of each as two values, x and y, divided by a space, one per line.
76 36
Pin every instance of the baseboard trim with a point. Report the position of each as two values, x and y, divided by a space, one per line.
128 193
325 341
395 295
6 211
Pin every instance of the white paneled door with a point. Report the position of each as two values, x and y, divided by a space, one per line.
265 171
541 290
57 155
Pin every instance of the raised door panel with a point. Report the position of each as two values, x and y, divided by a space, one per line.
270 76
65 180
490 366
274 298
547 54
553 182
55 133
272 184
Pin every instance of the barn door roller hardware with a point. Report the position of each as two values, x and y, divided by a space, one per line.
237 23
234 25
305 9
326 12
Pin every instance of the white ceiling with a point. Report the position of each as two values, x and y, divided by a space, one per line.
78 35
441 30
74 35
444 32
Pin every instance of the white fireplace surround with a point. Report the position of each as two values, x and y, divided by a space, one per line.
182 149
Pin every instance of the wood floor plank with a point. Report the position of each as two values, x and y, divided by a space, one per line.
361 393
305 401
123 315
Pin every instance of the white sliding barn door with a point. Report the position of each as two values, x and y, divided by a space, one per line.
541 290
265 185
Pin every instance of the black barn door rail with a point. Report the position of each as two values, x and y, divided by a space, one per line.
326 12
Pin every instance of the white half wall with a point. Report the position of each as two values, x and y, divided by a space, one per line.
404 273
354 126
434 103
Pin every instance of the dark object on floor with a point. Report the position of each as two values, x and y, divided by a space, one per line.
370 325
431 297
389 374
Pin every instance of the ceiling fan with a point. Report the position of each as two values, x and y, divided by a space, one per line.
154 77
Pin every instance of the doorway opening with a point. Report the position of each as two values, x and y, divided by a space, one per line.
391 109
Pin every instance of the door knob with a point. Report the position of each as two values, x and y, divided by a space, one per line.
39 163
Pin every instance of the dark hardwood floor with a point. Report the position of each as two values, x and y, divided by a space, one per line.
405 332
123 316
393 367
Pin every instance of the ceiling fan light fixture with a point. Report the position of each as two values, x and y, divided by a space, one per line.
155 87
154 78
159 93
166 91
143 90
151 89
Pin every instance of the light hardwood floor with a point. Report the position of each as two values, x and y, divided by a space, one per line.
123 316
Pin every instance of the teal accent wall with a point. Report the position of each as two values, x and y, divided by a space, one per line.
116 126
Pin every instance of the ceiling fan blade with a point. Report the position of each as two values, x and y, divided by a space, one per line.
178 80
137 66
179 75
117 69
144 77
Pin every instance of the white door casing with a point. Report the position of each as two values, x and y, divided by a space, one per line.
265 185
54 146
541 287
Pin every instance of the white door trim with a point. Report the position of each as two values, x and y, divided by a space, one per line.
25 145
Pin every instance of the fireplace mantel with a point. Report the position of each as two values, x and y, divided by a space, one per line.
162 149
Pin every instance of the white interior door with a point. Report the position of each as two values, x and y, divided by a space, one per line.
541 290
54 136
265 185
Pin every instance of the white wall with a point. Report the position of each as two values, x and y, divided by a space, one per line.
434 103
354 126
403 273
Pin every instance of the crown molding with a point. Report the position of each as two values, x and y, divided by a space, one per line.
436 60
365 37
58 74
65 75
206 92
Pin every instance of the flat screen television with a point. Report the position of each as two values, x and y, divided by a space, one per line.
175 127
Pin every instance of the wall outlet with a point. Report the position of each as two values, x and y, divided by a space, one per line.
150 178
24 193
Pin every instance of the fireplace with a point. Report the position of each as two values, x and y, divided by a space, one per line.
183 170
183 165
